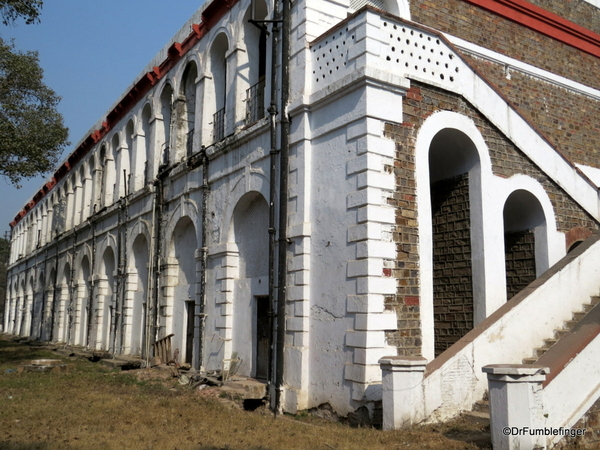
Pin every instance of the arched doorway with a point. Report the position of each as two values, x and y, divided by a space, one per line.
183 321
139 305
251 331
453 174
524 240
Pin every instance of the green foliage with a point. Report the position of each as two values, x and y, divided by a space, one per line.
11 10
32 134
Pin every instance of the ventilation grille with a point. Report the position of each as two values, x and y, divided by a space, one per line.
357 4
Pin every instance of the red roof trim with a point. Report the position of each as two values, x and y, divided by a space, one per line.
544 22
210 16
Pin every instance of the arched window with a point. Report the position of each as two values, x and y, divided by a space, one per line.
524 240
166 100
146 171
255 37
453 171
133 159
186 112
218 102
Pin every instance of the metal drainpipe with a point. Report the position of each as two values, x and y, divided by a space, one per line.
54 299
204 256
71 289
150 286
272 193
114 323
124 206
92 284
283 199
158 185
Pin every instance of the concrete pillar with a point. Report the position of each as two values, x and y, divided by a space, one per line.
516 405
403 400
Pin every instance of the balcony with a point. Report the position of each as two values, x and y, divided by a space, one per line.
255 102
189 143
219 125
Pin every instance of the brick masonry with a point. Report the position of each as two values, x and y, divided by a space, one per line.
452 271
519 253
484 28
577 11
566 118
506 159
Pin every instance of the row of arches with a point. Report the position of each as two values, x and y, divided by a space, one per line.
482 238
90 300
218 89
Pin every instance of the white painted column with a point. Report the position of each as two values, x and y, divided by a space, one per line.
47 322
166 308
63 320
402 391
516 405
128 310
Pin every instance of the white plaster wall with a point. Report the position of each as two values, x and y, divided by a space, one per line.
566 400
457 384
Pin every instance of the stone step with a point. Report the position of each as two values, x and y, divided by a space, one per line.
567 327
587 307
569 324
560 333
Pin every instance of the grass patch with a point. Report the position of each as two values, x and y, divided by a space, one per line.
92 407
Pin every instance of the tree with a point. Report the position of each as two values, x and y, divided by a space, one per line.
32 134
11 10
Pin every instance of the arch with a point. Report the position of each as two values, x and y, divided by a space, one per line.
144 167
182 253
528 217
252 79
576 236
216 95
166 105
139 280
103 243
61 323
102 309
133 157
449 145
186 111
250 333
257 182
82 302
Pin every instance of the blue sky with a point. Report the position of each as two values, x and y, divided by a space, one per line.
90 52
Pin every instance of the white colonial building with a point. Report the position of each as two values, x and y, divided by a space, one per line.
309 187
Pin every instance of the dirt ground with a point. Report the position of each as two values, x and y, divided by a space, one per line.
93 407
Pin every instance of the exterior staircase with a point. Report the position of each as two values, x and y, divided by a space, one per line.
550 316
568 326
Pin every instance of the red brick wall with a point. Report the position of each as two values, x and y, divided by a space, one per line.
519 253
484 28
452 270
506 159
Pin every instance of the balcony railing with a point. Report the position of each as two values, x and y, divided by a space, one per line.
255 102
219 125
189 143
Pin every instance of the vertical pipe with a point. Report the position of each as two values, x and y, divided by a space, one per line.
283 199
91 285
272 191
204 257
